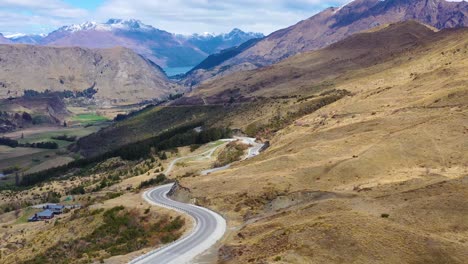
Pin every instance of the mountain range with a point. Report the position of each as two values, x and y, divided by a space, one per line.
164 48
332 25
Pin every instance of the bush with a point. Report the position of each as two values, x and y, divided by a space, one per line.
155 181
233 152
194 147
385 215
78 190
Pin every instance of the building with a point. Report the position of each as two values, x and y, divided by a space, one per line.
44 215
55 208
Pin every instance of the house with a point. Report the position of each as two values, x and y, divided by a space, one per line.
55 208
45 215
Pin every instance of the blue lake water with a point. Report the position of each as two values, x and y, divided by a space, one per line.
177 70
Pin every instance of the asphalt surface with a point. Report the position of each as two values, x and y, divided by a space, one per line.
253 151
208 229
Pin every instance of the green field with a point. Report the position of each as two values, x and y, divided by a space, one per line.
26 213
89 118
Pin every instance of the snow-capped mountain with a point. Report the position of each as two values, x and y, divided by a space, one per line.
162 47
21 38
212 43
110 25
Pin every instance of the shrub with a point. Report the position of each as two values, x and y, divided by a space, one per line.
158 180
78 190
385 215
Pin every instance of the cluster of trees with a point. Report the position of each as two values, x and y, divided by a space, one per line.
175 96
183 136
171 97
8 142
10 170
42 145
88 93
121 117
178 137
14 143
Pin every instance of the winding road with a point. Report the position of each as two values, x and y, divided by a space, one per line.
209 227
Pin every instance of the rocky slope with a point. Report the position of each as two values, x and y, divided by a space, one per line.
334 24
119 75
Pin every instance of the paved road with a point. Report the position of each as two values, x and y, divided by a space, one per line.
207 154
209 228
253 151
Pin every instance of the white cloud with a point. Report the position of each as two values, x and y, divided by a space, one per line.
178 16
37 16
188 16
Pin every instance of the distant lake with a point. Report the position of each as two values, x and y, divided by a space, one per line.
177 70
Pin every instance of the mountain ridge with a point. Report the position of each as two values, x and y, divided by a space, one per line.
164 48
334 24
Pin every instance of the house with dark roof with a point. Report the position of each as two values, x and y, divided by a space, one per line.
55 208
44 215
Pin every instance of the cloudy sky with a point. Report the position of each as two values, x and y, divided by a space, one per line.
178 16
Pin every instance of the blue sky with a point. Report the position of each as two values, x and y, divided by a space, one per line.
86 4
177 16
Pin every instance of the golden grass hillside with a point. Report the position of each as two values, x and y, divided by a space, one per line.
379 176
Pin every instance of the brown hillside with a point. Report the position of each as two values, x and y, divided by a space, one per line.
297 75
119 75
378 176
